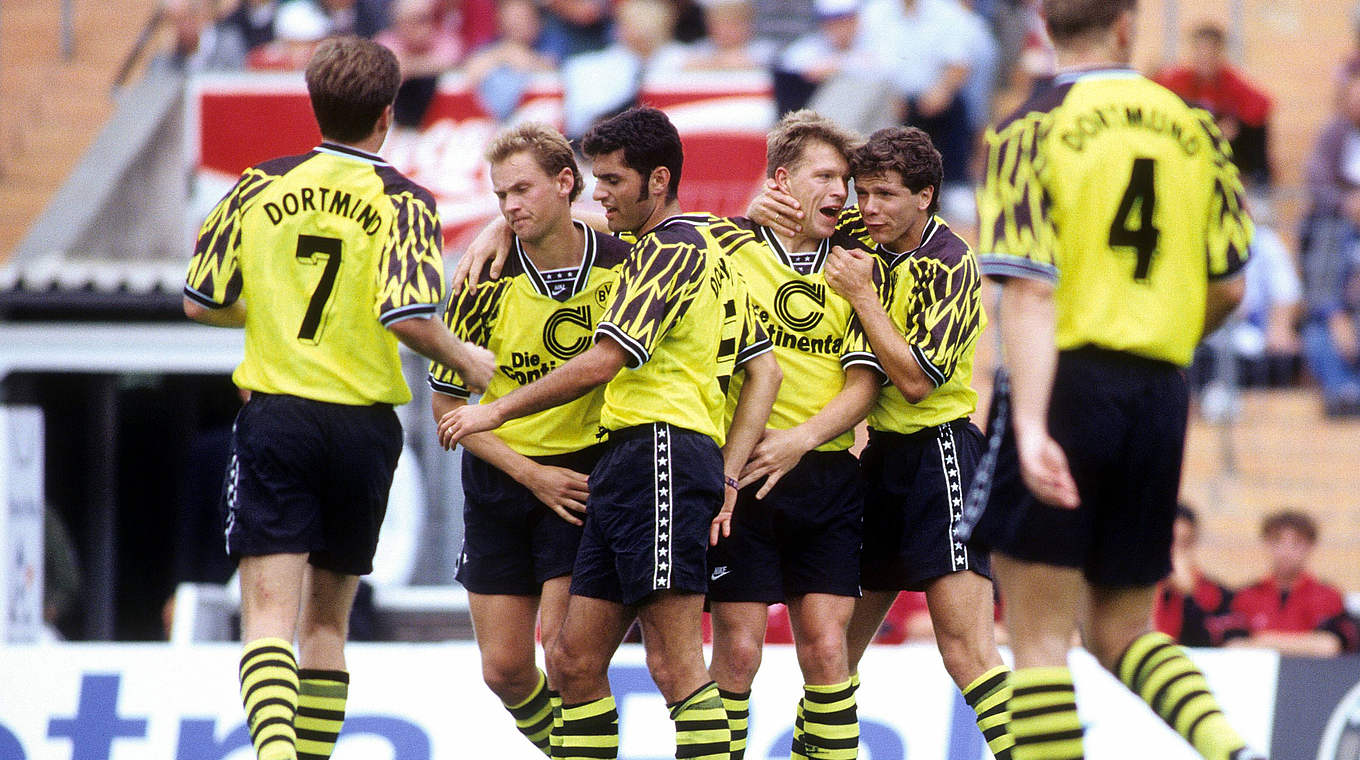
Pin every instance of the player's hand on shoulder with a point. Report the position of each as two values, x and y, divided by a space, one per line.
562 490
777 452
465 421
776 209
1044 468
480 365
850 272
492 244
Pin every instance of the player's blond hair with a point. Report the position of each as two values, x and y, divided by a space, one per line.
791 136
550 150
1070 20
350 81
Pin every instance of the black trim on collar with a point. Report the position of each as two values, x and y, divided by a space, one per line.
932 226
346 150
772 240
582 273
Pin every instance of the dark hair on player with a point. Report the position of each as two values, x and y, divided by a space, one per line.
1209 30
350 81
648 140
1069 20
1290 519
905 150
549 149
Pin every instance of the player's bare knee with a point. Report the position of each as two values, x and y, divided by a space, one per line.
823 656
508 679
966 654
737 662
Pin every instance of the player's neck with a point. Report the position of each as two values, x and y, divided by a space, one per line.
799 244
661 213
1091 56
371 145
560 248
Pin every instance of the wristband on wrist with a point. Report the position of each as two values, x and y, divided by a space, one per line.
731 482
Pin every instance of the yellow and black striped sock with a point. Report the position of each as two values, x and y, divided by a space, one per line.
1158 670
799 731
738 707
534 717
988 696
1044 718
320 712
555 737
830 722
269 693
701 728
590 731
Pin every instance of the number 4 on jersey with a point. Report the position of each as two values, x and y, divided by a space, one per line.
310 248
1141 194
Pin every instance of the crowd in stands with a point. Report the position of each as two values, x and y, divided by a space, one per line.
1289 610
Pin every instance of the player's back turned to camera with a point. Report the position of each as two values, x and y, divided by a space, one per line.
328 259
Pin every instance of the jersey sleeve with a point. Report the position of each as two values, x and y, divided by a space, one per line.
1016 237
946 315
1229 229
657 285
471 316
411 270
753 340
214 277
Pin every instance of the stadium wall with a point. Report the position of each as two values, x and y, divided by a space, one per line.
427 702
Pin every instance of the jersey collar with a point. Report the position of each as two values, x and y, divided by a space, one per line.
1103 72
772 240
582 274
692 220
932 226
336 149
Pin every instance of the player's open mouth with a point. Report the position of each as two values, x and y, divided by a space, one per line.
830 212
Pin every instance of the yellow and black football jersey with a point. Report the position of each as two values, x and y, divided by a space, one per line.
935 300
1110 186
327 248
686 324
805 319
533 321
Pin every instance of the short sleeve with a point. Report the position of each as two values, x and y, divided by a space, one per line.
945 313
470 316
658 283
753 340
411 270
1016 237
214 277
1229 228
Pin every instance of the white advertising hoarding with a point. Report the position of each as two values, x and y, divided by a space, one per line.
427 702
21 524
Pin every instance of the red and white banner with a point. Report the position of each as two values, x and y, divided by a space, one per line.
236 120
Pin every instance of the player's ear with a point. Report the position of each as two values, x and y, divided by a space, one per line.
927 197
659 182
566 181
385 118
781 178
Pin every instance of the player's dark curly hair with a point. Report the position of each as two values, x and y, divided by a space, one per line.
350 81
1069 20
905 150
648 140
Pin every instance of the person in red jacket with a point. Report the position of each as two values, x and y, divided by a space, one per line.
1290 610
1241 108
1191 608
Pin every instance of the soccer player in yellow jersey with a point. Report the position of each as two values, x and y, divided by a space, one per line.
1113 218
676 328
922 449
796 529
327 259
525 486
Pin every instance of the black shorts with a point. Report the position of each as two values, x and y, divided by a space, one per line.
802 538
310 476
914 486
1121 422
512 542
653 496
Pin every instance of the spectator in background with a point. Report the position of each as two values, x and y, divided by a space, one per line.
1241 109
199 42
1331 263
500 71
364 18
925 48
1191 607
598 85
574 27
420 36
731 43
253 20
298 27
829 53
1290 610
